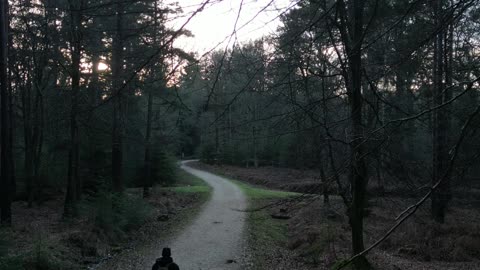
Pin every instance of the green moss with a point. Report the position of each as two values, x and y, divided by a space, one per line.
255 193
189 183
264 231
262 226
186 179
191 189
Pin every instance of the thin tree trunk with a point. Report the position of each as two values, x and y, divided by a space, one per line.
39 147
442 195
325 184
230 136
5 153
254 135
37 140
353 38
148 129
33 124
148 147
28 140
117 131
73 182
93 97
11 124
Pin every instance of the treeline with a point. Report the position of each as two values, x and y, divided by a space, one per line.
86 98
378 96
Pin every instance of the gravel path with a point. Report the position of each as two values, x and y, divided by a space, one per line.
215 238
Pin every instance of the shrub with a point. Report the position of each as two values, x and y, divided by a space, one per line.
4 243
134 212
118 213
12 263
8 262
41 258
240 154
207 153
163 168
101 211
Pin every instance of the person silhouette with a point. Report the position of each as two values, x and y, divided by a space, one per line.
173 266
164 261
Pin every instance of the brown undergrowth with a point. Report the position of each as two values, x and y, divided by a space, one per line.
41 239
318 235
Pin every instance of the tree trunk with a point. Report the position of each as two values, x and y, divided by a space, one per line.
37 139
325 184
93 97
441 73
74 187
254 137
353 39
230 136
358 173
32 113
148 147
5 153
404 101
28 139
11 124
148 129
117 131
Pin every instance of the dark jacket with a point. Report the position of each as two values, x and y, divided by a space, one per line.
162 262
173 266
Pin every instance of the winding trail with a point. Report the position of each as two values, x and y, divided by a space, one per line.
214 240
215 237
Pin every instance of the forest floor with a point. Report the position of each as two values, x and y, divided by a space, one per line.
307 234
41 239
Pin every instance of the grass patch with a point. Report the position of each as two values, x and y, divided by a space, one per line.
191 189
189 183
264 231
263 228
186 179
256 193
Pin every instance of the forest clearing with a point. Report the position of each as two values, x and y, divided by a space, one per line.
239 134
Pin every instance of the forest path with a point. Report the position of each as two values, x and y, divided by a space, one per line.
214 240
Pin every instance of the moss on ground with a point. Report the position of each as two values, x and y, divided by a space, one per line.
256 193
189 183
263 230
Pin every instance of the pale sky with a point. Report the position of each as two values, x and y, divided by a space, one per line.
216 22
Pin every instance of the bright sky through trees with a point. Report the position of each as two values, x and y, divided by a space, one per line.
219 19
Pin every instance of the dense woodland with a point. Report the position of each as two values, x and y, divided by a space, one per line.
379 97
